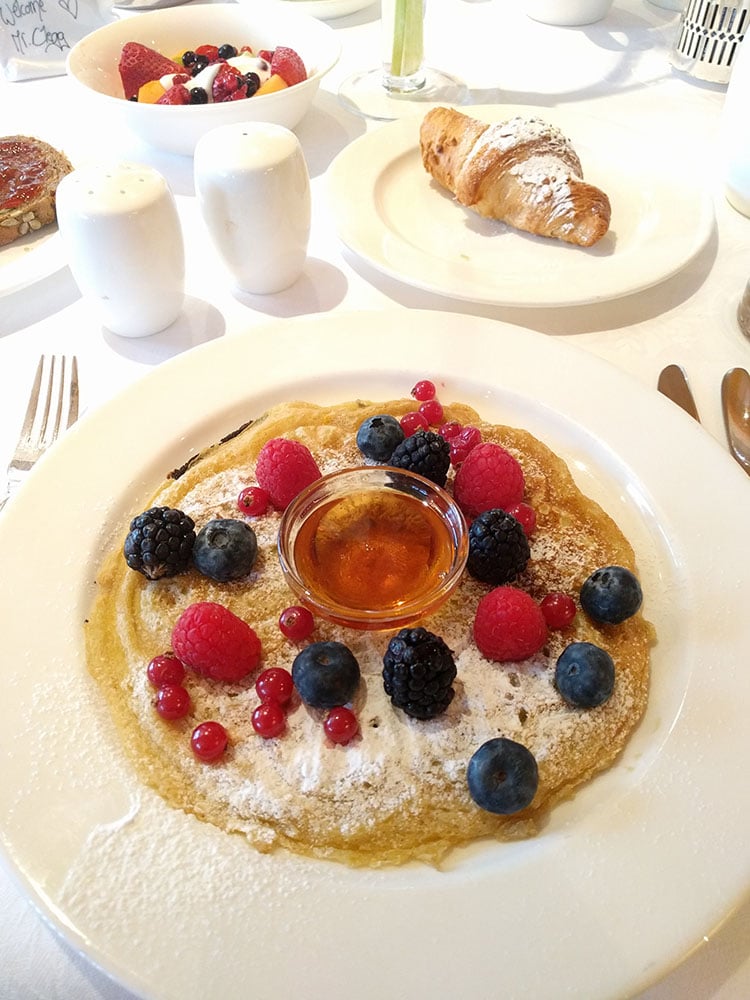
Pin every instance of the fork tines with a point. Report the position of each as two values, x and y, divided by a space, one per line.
53 404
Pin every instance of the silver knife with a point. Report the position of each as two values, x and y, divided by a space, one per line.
673 383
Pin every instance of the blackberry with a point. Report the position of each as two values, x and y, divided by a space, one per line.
418 673
160 542
378 436
498 547
424 452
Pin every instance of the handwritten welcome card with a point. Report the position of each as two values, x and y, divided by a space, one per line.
36 35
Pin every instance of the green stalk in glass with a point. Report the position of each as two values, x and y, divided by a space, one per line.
408 40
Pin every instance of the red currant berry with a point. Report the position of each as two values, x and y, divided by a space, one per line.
558 609
341 725
424 389
525 515
172 701
268 719
209 740
165 669
275 684
253 501
432 410
412 422
296 622
449 430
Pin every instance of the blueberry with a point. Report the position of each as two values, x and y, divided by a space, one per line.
188 58
585 674
377 437
227 51
611 594
198 95
198 64
326 674
225 549
253 82
503 776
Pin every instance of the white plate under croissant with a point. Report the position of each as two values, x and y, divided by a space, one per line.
393 214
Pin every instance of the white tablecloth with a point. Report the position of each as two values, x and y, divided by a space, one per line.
617 69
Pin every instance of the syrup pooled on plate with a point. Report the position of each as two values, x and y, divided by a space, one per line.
373 550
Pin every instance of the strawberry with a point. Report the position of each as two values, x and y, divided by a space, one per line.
177 94
288 65
139 64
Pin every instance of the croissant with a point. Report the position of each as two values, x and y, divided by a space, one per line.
523 172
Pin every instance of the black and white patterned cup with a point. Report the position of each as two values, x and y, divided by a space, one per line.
708 36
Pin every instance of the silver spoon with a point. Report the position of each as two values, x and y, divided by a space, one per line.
735 405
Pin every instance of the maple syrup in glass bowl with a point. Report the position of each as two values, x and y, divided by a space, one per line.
373 547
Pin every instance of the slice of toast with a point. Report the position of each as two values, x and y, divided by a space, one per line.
30 171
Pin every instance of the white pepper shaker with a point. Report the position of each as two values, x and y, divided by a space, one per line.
123 237
253 189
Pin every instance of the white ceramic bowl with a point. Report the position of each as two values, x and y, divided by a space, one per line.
92 64
567 12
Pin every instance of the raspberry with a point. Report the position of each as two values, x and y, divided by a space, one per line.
226 83
213 641
287 64
177 94
509 625
426 453
488 477
284 468
463 442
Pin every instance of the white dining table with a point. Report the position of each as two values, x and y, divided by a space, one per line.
617 70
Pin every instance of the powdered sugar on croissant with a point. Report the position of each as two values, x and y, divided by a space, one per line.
524 172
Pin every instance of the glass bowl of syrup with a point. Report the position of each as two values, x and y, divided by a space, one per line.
373 547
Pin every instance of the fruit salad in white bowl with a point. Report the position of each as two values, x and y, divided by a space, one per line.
172 75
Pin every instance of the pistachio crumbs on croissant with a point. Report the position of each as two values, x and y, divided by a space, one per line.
523 172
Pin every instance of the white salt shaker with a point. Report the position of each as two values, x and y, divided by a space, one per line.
253 189
123 237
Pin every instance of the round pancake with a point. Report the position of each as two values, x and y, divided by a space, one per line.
398 791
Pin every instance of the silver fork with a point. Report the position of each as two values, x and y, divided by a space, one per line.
50 411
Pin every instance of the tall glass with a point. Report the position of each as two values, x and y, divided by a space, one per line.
387 91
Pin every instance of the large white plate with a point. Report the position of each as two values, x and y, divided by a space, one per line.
625 880
389 211
30 259
326 10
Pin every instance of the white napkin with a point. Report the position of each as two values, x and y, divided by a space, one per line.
36 35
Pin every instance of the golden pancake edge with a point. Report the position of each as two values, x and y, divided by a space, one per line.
398 791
